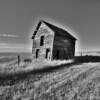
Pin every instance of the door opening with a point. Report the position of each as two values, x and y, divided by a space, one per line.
37 53
47 53
57 54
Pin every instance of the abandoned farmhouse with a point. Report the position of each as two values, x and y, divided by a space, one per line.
51 42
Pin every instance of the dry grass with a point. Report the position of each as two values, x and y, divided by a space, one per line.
12 67
77 82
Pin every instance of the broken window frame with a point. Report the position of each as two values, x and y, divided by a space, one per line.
42 40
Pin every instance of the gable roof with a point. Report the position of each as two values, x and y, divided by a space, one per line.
54 28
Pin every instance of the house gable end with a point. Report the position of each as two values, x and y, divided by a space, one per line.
42 42
43 28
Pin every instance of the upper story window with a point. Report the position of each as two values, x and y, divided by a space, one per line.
42 41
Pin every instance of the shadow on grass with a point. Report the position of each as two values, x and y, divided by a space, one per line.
86 59
13 78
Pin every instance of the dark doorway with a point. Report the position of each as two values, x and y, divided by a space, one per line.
42 40
37 53
57 54
47 53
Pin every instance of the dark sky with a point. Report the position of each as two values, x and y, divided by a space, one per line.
18 18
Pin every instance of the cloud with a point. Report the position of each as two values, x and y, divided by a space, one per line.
14 47
8 35
3 44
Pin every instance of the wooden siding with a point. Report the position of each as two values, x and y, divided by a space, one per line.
65 45
48 42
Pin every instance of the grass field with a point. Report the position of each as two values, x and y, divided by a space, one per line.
78 80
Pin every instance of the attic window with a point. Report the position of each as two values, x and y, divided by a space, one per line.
42 41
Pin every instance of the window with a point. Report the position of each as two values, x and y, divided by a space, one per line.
37 53
47 53
42 41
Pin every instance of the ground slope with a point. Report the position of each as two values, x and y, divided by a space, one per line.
77 82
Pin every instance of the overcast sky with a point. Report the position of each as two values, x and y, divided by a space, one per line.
18 18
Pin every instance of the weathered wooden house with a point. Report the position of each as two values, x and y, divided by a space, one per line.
51 42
